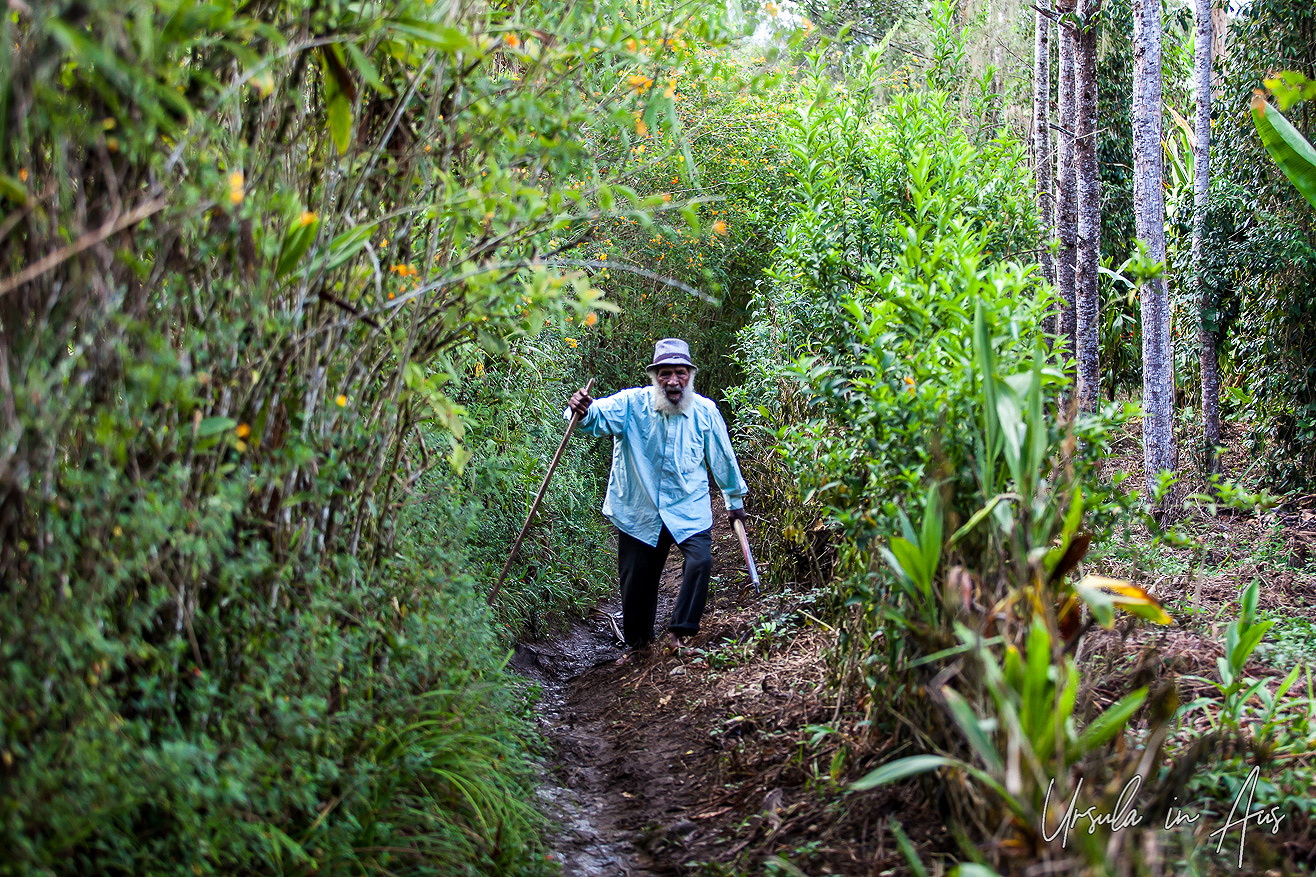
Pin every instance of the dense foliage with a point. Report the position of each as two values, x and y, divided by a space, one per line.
259 257
294 292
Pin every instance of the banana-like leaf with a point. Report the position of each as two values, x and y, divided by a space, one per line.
1291 151
1097 590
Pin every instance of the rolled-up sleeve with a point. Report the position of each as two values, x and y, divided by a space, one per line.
722 462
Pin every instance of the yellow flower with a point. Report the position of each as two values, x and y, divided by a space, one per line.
639 83
603 257
341 400
641 129
572 341
591 318
771 9
243 430
236 192
631 45
307 218
719 227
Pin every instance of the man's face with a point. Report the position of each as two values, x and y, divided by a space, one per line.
673 378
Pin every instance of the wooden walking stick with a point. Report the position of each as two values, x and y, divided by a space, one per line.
575 418
739 527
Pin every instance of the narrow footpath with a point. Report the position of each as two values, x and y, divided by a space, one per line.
712 761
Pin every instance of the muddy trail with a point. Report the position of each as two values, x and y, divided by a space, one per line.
713 761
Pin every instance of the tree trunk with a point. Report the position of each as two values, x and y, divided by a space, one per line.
1201 189
1042 144
1087 257
1159 451
1066 198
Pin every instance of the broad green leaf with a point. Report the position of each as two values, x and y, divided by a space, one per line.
296 240
979 516
1249 603
366 68
972 729
1035 700
930 537
1247 642
1109 723
13 190
894 771
1291 151
443 37
214 425
340 121
347 244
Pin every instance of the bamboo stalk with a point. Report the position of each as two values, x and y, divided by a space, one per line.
534 506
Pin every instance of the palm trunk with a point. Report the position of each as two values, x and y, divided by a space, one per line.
1087 257
1042 144
1066 197
1201 190
1159 451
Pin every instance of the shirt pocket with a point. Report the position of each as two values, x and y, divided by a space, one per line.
692 457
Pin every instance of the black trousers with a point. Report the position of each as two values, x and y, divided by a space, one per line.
640 568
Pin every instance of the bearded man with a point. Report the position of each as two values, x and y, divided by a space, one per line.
665 439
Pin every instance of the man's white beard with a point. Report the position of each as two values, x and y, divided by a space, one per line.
663 405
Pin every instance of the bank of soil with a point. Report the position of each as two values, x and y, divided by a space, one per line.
701 763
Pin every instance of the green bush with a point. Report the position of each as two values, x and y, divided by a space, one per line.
248 500
895 211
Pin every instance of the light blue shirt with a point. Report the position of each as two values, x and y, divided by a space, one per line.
660 464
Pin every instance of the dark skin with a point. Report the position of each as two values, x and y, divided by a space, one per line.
673 380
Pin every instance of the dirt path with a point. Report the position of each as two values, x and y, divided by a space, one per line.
695 764
622 764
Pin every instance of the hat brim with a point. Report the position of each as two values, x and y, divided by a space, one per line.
673 361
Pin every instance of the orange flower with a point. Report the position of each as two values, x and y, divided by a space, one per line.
591 318
720 227
236 191
243 430
512 40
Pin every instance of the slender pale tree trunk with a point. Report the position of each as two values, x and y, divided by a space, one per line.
1066 197
1201 189
1042 144
1087 256
1159 451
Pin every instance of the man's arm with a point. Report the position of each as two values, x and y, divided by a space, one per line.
606 416
722 463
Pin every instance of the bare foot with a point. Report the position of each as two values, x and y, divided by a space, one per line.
631 656
679 644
